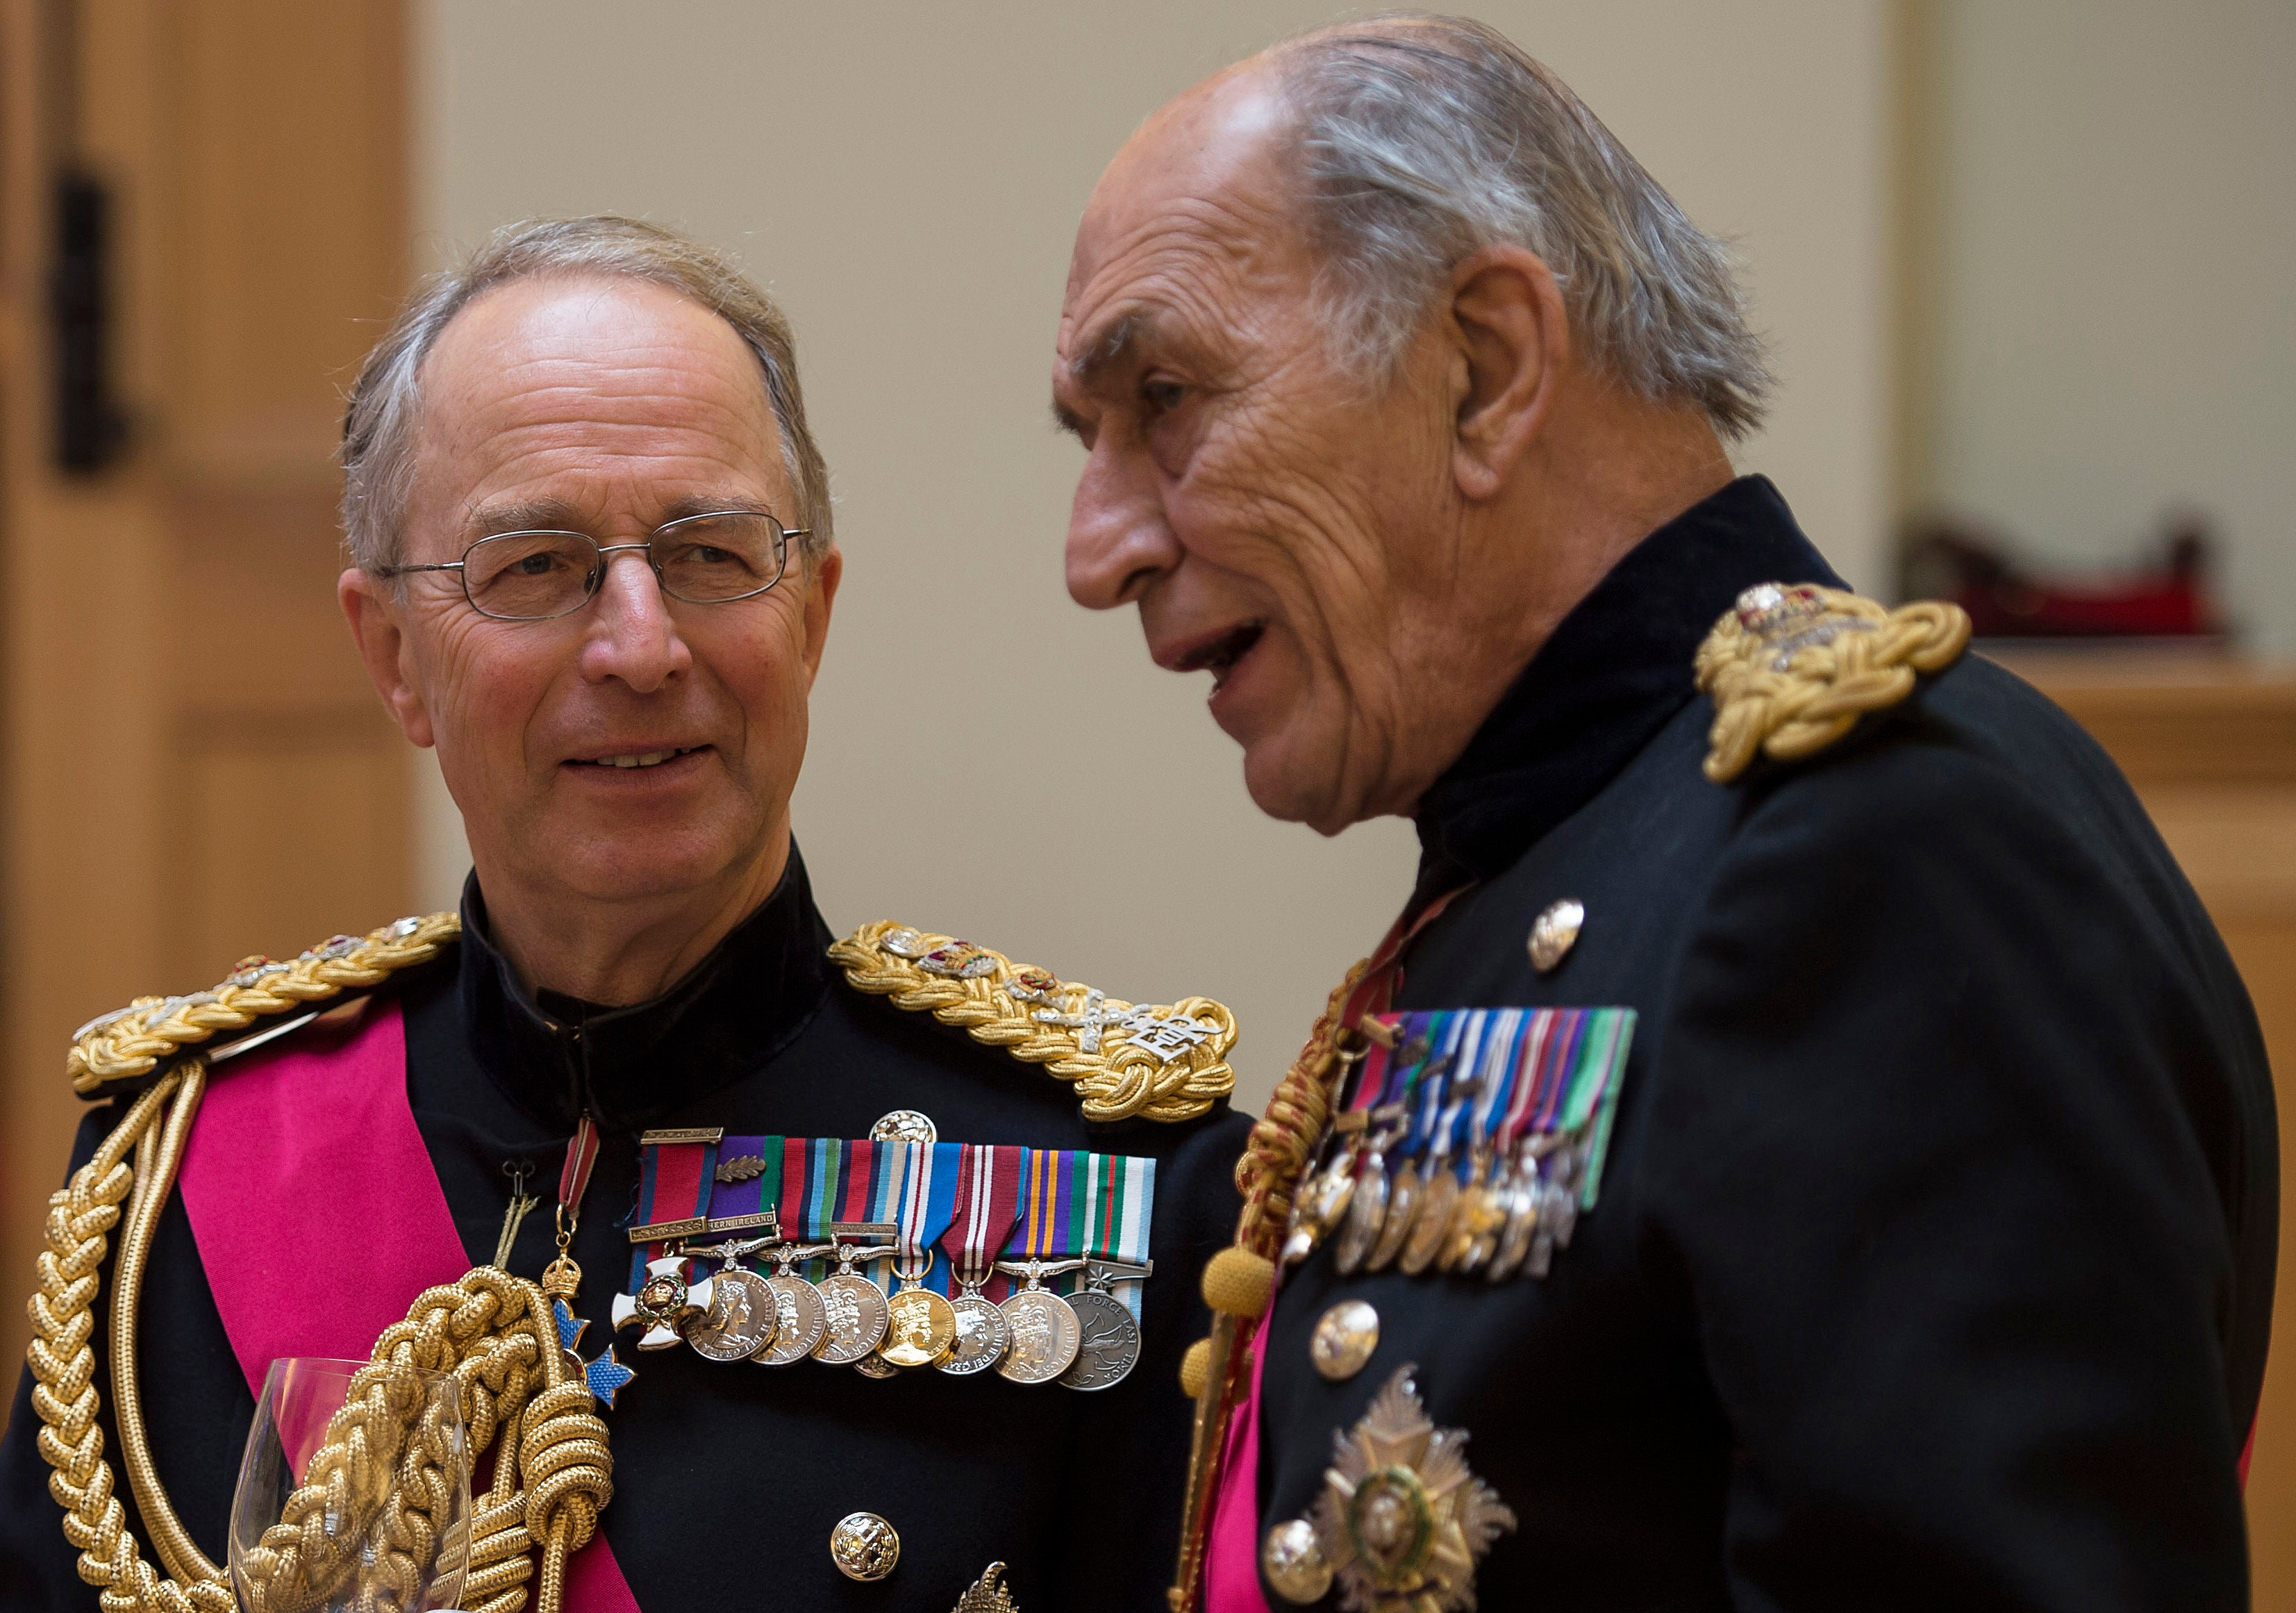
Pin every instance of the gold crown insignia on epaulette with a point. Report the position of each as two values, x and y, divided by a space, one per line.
1161 1062
124 1048
1791 667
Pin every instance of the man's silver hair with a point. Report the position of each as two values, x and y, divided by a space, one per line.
380 424
1422 139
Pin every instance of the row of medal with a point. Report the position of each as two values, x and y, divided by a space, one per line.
888 1255
1468 1141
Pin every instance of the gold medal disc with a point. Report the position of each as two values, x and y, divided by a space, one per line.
1432 1219
1402 1204
920 1327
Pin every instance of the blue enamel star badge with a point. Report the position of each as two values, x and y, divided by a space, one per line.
605 1375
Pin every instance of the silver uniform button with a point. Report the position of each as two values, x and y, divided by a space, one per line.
905 1125
1554 931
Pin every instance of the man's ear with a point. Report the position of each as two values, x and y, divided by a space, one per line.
381 638
821 575
1512 345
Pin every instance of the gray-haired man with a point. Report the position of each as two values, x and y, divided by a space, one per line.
1843 1179
884 1284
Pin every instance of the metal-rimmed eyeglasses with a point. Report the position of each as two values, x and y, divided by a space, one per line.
712 558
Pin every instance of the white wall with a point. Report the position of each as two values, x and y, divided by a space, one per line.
987 759
2118 323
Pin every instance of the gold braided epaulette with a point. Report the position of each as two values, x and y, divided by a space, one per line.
1161 1062
124 1049
1791 667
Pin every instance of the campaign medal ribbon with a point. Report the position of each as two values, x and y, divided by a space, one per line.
921 1324
801 1318
1471 1236
859 1182
986 1203
745 1316
1379 1108
1045 1329
1119 1196
676 1172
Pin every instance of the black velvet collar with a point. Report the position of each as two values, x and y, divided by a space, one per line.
557 1057
1615 672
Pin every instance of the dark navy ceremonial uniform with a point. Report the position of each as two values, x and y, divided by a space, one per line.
728 1478
1933 1258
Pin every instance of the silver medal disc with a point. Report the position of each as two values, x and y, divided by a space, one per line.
1108 1342
802 1322
1044 1337
981 1334
1366 1212
858 1315
742 1317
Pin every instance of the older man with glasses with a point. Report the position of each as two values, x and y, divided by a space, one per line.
897 1236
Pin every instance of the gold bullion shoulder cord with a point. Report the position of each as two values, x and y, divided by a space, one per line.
1791 668
493 1332
1036 1018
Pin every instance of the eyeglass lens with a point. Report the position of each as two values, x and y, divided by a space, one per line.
705 559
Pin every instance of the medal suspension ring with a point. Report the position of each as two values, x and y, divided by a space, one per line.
492 1331
1117 1081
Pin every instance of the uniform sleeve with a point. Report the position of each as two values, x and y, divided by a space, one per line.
1935 1167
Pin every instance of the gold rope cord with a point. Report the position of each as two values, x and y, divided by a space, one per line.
1791 668
1036 1016
379 1464
1240 1280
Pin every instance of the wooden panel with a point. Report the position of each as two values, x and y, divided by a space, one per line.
293 834
195 768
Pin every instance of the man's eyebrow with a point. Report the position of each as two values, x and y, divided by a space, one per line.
561 515
1109 348
523 516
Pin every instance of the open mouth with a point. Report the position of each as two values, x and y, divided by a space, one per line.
1220 655
637 759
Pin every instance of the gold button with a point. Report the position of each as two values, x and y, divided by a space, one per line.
864 1546
1293 1558
1344 1338
1554 931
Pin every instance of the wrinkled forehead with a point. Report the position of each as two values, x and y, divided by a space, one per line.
593 381
1192 219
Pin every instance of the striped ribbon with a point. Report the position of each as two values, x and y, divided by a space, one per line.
1539 1072
988 1202
675 1179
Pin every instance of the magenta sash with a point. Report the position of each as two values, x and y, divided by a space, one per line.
319 1218
1232 1543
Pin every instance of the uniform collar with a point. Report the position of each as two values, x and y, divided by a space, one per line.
1615 670
557 1057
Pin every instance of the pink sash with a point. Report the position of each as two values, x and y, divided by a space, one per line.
319 1218
1232 1544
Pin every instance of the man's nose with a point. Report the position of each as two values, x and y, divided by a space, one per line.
633 637
1120 539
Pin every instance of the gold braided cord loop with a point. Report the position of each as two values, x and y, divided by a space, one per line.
131 1042
381 1467
1285 1137
1166 1063
1791 668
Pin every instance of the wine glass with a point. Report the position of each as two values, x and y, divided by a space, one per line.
355 1490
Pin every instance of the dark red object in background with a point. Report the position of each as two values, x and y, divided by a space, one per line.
1974 570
